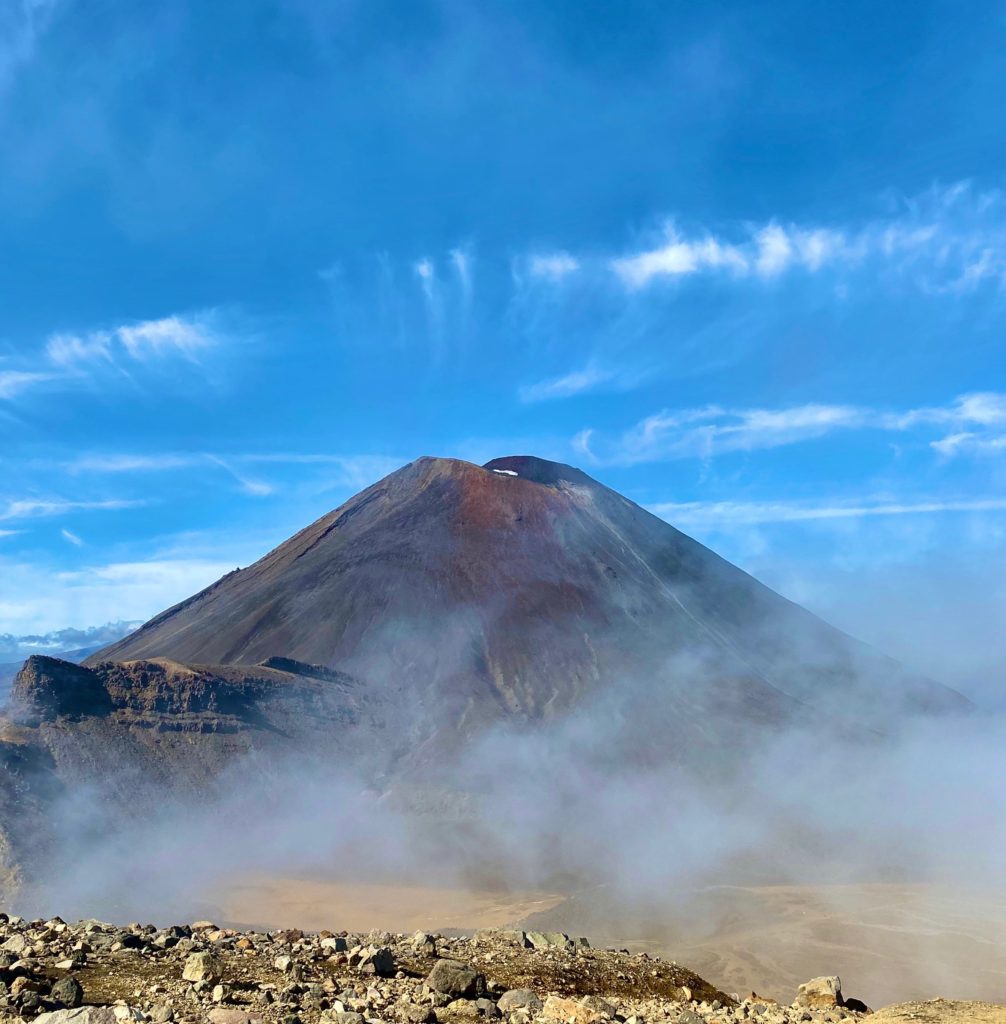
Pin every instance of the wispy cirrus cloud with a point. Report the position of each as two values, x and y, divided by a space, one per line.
341 470
950 239
13 382
139 342
712 430
576 382
250 485
71 538
594 377
68 357
30 508
696 514
132 463
22 25
552 266
348 470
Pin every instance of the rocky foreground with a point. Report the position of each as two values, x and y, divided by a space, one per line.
52 972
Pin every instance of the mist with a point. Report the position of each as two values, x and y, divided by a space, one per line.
640 826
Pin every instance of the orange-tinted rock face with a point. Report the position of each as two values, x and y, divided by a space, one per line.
516 588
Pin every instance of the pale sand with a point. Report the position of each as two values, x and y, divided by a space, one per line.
314 904
888 942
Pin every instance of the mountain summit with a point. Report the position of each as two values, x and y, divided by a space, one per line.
520 587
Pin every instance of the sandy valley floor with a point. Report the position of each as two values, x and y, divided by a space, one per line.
888 942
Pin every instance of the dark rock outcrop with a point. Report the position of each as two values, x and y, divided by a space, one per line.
47 688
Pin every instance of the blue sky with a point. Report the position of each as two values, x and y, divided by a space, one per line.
744 262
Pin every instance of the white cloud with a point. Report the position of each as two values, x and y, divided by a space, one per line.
35 599
345 470
351 470
71 538
69 356
170 334
13 382
969 443
30 508
257 488
574 383
712 430
552 266
71 350
774 251
733 513
25 23
140 342
982 408
679 257
115 463
951 241
462 263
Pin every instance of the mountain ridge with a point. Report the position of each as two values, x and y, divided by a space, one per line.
520 587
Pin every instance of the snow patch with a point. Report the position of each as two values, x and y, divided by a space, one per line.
506 472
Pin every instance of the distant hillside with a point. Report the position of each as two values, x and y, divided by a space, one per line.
69 644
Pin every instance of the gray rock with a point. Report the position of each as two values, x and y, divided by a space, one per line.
202 967
508 935
519 999
79 1015
232 1015
455 979
598 1005
377 960
68 992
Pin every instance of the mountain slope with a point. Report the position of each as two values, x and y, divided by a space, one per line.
518 588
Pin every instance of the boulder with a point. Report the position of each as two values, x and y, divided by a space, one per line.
79 1015
377 960
413 1013
455 979
15 944
568 1011
508 935
68 992
202 967
820 993
549 940
519 999
599 1005
232 1015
